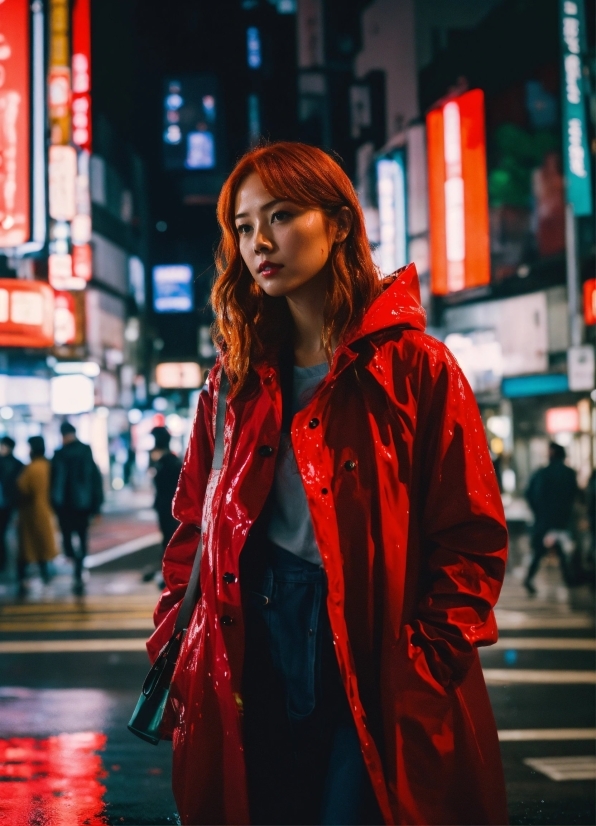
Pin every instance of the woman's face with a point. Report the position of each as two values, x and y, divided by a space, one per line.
284 245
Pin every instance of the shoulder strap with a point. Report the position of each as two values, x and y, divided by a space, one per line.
192 589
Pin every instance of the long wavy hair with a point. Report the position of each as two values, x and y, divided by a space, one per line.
251 326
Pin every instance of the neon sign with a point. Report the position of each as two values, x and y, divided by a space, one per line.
575 141
26 313
81 74
15 149
391 192
458 196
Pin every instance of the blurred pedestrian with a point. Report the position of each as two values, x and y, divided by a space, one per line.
76 494
551 495
37 542
10 468
167 472
354 540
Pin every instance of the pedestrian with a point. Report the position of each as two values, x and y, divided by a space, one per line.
37 542
354 541
551 495
10 468
167 468
77 495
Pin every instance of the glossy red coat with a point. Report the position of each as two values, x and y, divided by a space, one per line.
414 544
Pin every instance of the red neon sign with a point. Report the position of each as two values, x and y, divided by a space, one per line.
458 194
81 74
26 313
15 147
590 301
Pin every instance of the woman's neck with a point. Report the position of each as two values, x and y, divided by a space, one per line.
306 306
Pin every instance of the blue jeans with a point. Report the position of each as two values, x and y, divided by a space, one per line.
303 757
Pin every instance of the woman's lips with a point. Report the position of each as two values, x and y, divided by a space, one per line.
268 270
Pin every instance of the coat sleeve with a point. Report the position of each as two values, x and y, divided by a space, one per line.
187 508
464 534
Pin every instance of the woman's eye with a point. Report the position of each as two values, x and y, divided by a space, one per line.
243 229
280 215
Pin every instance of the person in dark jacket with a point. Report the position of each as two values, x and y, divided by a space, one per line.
551 494
76 494
167 471
10 469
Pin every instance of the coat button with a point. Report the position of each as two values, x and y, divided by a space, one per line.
324 491
227 620
265 450
313 423
229 578
350 464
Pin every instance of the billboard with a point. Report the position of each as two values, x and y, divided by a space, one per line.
15 148
26 313
458 194
191 123
173 288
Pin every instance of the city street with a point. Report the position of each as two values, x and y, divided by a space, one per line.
71 670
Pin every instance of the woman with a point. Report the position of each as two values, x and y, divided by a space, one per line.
37 541
354 539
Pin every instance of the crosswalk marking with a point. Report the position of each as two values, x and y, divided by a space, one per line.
131 547
504 676
565 768
520 735
84 605
521 620
71 646
122 623
544 644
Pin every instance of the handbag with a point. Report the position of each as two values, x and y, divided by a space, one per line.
147 717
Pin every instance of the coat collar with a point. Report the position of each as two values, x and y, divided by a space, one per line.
398 304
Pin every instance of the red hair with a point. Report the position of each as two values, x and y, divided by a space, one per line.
251 326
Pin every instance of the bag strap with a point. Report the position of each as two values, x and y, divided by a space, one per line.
192 589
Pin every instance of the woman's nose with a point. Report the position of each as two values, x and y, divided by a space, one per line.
261 242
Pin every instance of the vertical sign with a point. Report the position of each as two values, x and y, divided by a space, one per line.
575 134
81 74
59 76
391 192
458 194
15 149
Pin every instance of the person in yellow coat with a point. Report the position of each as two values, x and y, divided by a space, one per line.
37 541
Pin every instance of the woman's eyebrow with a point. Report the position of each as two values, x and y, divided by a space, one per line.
268 205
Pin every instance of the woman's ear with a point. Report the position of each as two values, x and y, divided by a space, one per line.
343 224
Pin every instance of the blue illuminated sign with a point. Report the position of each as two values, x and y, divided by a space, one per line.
173 288
517 387
253 47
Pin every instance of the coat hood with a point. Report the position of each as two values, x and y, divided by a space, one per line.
399 303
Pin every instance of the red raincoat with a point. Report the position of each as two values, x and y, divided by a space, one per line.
408 519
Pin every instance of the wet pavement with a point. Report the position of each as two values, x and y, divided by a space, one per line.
71 670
